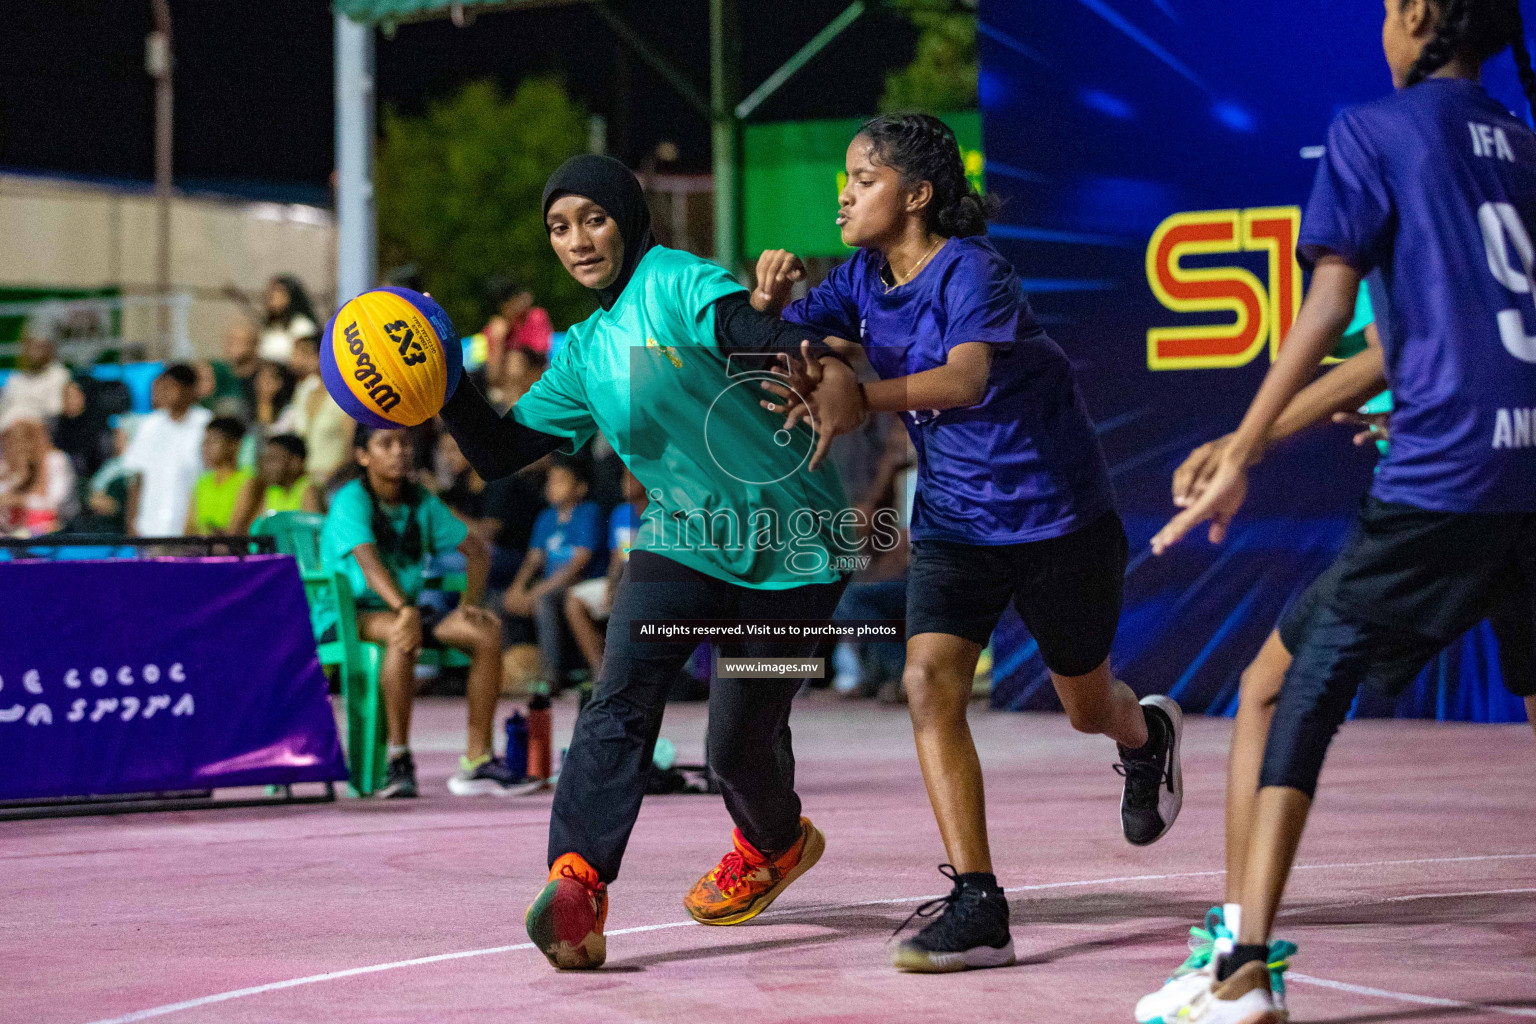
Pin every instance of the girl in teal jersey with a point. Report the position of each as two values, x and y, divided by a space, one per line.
738 528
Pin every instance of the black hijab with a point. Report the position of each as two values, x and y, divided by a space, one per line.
615 188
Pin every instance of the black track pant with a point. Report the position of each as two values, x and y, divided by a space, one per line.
603 775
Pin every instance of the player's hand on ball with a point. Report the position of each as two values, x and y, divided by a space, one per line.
777 272
1218 504
1190 479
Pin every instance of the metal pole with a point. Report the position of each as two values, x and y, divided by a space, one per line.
356 231
157 61
724 87
802 57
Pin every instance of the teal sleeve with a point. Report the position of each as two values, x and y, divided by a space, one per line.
557 403
691 286
347 525
445 530
1364 315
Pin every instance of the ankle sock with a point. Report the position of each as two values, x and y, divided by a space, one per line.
468 764
395 751
1154 736
1232 917
983 880
1240 956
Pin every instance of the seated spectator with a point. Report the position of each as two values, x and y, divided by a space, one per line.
278 485
37 483
228 386
517 326
274 386
520 370
106 503
219 487
510 505
35 389
81 431
565 539
325 428
165 456
587 603
381 532
288 317
460 486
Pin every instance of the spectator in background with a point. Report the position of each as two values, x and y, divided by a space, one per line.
37 483
106 501
81 431
587 603
510 505
381 532
35 389
166 456
288 317
518 326
271 415
325 428
219 487
278 485
460 486
228 385
520 370
565 539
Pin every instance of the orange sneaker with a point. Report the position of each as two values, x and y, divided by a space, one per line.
745 881
566 919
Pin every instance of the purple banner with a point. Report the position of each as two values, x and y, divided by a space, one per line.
167 674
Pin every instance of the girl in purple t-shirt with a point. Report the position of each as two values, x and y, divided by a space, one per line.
1013 500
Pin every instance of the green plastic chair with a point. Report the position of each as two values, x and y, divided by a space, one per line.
357 662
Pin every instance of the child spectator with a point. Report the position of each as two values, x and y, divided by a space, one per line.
315 416
35 390
81 431
517 325
381 532
219 487
588 603
278 485
565 538
289 316
166 456
37 483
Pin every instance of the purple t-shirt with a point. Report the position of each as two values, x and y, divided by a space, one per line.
1435 186
1023 464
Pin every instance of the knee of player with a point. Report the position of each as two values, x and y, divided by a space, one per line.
927 700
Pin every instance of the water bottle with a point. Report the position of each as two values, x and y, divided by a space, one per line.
517 745
539 736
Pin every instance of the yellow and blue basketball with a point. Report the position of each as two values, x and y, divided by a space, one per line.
390 358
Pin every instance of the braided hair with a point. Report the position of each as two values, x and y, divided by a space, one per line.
920 147
407 547
1481 28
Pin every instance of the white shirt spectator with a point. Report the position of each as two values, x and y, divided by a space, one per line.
34 396
277 341
167 455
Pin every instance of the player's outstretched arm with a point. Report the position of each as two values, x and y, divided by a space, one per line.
1327 311
495 445
1339 391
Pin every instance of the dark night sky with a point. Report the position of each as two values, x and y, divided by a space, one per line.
254 84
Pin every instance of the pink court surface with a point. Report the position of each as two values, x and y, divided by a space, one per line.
1415 899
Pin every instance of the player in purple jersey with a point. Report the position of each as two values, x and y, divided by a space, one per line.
1013 499
1435 186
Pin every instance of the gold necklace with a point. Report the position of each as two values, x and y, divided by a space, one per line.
920 264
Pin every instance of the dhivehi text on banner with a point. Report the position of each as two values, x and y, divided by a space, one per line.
158 675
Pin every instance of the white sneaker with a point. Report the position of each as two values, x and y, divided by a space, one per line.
1178 992
1243 998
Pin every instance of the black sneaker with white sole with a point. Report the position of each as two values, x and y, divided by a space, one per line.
971 929
400 780
489 778
1154 778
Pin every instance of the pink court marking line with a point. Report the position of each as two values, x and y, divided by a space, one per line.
352 972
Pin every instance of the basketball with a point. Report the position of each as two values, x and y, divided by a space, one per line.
390 358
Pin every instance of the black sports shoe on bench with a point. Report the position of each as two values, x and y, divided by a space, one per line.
971 930
1154 778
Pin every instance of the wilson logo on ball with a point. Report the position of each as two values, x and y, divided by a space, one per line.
390 358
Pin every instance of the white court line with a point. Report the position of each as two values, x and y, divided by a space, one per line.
276 986
1407 997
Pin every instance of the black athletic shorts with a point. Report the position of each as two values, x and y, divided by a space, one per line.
1433 574
431 617
1067 590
